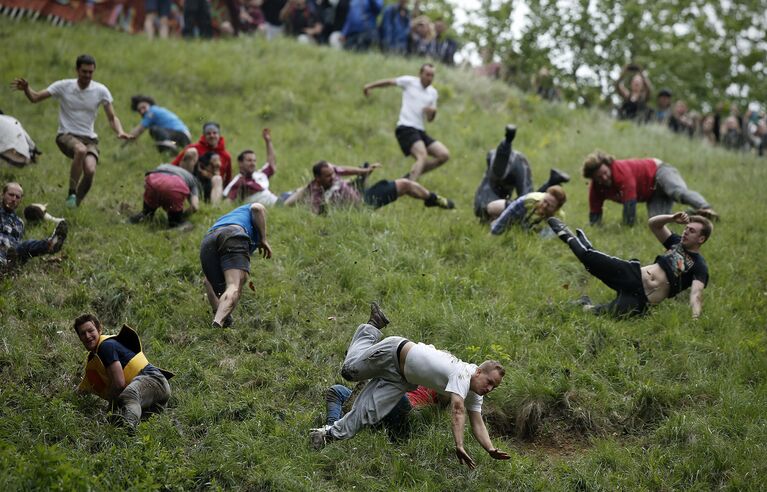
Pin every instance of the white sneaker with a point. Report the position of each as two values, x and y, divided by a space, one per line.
319 437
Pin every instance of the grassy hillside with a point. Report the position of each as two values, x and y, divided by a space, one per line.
587 403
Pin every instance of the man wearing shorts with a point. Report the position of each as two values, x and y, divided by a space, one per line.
168 186
328 189
79 101
419 101
155 9
225 256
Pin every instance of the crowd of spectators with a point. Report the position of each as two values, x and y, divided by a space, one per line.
725 125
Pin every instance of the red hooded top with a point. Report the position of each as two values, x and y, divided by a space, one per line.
633 179
203 148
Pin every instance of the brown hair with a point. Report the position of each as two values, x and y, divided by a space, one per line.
594 161
84 318
557 192
318 167
492 365
706 226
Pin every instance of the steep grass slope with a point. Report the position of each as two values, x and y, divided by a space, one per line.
587 403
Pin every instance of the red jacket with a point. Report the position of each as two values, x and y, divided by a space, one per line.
203 148
633 179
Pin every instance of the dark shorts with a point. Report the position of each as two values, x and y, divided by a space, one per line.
67 143
165 190
407 136
161 134
382 193
162 7
225 248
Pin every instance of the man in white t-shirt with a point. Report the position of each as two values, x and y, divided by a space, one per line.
419 102
251 185
79 101
395 366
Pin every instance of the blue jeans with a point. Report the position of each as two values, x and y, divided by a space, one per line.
27 249
337 395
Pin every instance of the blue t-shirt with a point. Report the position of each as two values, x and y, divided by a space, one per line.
163 118
111 350
240 216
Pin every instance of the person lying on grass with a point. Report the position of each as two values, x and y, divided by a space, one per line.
396 365
328 189
637 287
225 256
117 370
531 210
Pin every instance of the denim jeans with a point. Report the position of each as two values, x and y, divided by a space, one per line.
148 391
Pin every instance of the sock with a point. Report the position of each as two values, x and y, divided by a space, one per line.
432 200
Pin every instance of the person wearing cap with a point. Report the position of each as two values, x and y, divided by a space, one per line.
251 185
167 129
662 112
395 365
79 101
13 247
509 171
211 140
629 181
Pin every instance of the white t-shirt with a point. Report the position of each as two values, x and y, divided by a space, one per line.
415 97
77 107
442 372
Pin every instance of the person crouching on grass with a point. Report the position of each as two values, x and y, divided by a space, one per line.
117 370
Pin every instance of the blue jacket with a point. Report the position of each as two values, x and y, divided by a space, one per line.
394 29
362 16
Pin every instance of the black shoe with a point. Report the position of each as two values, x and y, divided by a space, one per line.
583 239
56 241
138 218
228 321
439 201
377 316
511 132
558 177
560 228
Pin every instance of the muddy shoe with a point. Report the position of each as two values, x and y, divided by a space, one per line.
56 241
707 213
377 316
435 200
319 437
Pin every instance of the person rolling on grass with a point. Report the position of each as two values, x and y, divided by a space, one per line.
12 246
225 256
117 370
395 365
507 171
168 186
165 127
328 189
79 101
530 210
419 102
638 180
252 185
680 267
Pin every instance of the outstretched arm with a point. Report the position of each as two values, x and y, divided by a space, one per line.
33 95
696 298
458 421
297 196
483 438
114 122
377 84
658 223
258 216
271 158
357 171
137 131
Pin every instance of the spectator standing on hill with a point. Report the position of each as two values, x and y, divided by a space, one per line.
271 10
225 256
333 17
328 189
252 185
300 21
638 180
79 101
634 99
251 16
544 85
680 120
156 9
731 134
444 46
167 129
360 31
211 141
13 247
117 370
394 30
637 287
419 102
168 187
197 19
395 365
421 42
662 112
508 171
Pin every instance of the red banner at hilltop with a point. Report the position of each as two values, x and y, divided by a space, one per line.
129 13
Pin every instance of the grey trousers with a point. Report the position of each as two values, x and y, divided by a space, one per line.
369 357
148 391
670 188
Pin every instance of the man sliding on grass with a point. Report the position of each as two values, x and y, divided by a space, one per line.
680 267
395 365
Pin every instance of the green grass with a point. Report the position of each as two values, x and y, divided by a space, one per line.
587 403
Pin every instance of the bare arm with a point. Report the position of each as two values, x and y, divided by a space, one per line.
483 438
136 131
658 223
271 158
377 84
33 95
430 112
114 122
116 379
297 196
458 422
696 298
357 171
258 216
194 204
